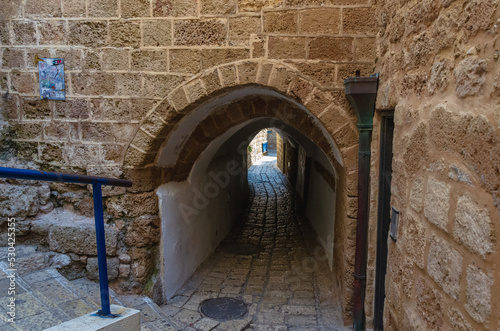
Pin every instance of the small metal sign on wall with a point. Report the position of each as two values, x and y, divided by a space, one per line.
394 224
51 77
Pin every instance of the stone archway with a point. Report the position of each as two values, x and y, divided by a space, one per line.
323 116
330 108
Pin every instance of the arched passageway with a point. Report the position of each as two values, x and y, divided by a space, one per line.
201 155
271 259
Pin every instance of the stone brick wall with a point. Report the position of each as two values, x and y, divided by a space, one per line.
121 60
134 69
291 162
256 147
279 151
438 64
271 139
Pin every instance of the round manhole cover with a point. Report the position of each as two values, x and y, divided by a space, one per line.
242 249
223 309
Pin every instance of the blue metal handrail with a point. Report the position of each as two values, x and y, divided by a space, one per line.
96 182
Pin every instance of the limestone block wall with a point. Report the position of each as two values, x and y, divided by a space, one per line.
300 186
271 139
133 69
439 71
121 60
255 153
279 151
290 162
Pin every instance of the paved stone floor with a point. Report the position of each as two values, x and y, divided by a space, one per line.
44 298
285 285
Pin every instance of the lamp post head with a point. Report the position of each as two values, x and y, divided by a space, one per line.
362 92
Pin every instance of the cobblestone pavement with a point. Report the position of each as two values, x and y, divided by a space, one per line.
44 298
287 285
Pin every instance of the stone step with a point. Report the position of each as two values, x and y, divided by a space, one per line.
43 299
152 316
29 258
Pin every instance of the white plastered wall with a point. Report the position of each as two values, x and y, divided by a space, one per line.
197 214
320 209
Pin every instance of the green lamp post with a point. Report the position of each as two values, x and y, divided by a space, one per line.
362 92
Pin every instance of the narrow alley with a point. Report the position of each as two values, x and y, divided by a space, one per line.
271 260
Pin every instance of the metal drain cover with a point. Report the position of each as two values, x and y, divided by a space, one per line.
242 249
223 309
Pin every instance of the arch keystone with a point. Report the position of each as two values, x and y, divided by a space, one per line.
281 77
247 72
264 73
229 75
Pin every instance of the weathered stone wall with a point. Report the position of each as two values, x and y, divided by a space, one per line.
271 139
288 159
439 70
279 151
135 68
291 162
255 151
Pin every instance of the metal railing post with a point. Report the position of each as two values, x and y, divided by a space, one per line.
101 249
96 182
